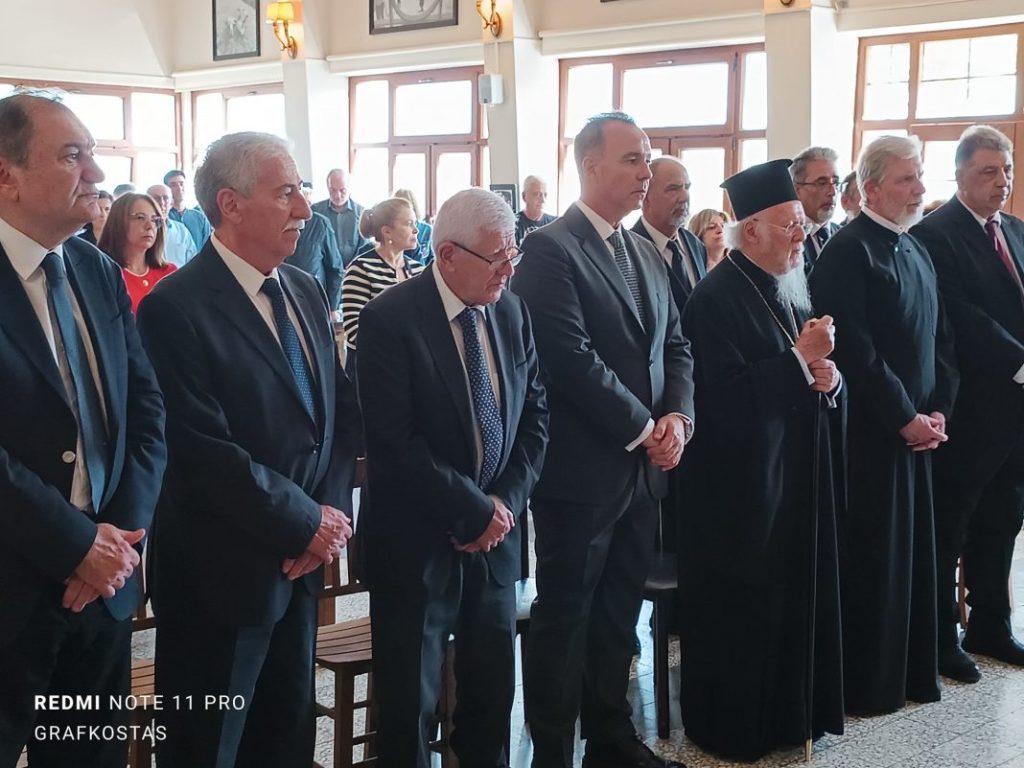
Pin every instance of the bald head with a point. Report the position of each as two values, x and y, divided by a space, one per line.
667 204
162 194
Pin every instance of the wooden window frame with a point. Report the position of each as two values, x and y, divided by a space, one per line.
945 128
728 134
433 145
125 147
229 93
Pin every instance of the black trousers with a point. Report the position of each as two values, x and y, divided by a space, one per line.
979 508
412 622
592 562
87 654
261 681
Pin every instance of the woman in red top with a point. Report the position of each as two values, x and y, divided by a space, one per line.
134 238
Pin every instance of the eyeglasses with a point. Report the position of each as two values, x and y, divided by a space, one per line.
821 184
496 264
141 218
792 228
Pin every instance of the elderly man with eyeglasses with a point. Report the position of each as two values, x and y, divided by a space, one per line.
456 431
816 181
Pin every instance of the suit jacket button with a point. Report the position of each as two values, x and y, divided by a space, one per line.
68 457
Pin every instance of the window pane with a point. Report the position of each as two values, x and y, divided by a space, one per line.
939 170
706 87
370 176
434 109
887 82
116 170
371 111
975 96
971 76
454 173
589 93
102 115
410 172
485 166
944 59
150 167
996 55
6 89
209 122
755 91
153 120
706 166
752 152
569 187
257 112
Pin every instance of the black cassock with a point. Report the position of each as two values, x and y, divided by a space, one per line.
895 351
745 527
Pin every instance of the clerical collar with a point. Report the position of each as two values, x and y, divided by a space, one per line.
882 221
980 219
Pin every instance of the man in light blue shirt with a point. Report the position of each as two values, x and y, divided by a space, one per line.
193 218
179 247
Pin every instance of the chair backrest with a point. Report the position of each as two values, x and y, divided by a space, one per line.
143 617
342 577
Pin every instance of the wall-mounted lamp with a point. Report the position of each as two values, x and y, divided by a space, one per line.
281 15
492 22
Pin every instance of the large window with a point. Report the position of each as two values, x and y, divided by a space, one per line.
416 130
253 108
707 107
934 85
136 130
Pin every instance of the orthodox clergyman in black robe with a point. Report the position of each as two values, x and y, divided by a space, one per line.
747 522
895 351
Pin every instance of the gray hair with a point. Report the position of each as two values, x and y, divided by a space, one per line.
470 212
234 161
980 137
591 136
531 179
733 232
875 157
798 170
666 160
16 123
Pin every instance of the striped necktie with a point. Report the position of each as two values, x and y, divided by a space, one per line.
485 405
625 265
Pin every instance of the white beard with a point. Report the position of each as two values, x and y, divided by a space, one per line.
907 220
791 288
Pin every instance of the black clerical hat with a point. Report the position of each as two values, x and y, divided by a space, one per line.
760 187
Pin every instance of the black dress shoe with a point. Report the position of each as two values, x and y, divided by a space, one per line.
625 754
1004 648
957 665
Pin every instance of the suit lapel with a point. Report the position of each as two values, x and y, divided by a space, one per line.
498 332
19 319
438 334
1014 235
238 310
977 239
597 251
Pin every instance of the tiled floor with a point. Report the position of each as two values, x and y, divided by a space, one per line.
974 726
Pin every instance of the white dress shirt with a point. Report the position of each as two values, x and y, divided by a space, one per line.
26 256
453 307
661 243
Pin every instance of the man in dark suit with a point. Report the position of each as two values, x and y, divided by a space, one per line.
817 181
81 444
343 213
618 378
456 426
666 209
262 431
978 251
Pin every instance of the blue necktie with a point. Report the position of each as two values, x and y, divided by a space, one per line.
625 265
289 339
86 398
488 417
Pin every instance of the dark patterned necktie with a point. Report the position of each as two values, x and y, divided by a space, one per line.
992 228
85 396
485 405
291 345
679 258
625 265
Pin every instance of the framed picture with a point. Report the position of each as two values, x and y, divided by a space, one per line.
510 193
236 29
400 15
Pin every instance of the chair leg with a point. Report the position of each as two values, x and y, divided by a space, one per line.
661 609
370 750
523 642
344 713
448 700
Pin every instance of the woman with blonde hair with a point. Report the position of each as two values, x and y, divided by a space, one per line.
422 252
392 225
134 238
709 226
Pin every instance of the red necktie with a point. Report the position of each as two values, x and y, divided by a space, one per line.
992 227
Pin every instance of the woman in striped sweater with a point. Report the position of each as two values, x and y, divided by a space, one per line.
392 224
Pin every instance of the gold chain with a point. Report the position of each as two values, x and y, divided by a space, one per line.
767 306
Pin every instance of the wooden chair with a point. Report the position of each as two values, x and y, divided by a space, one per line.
660 588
